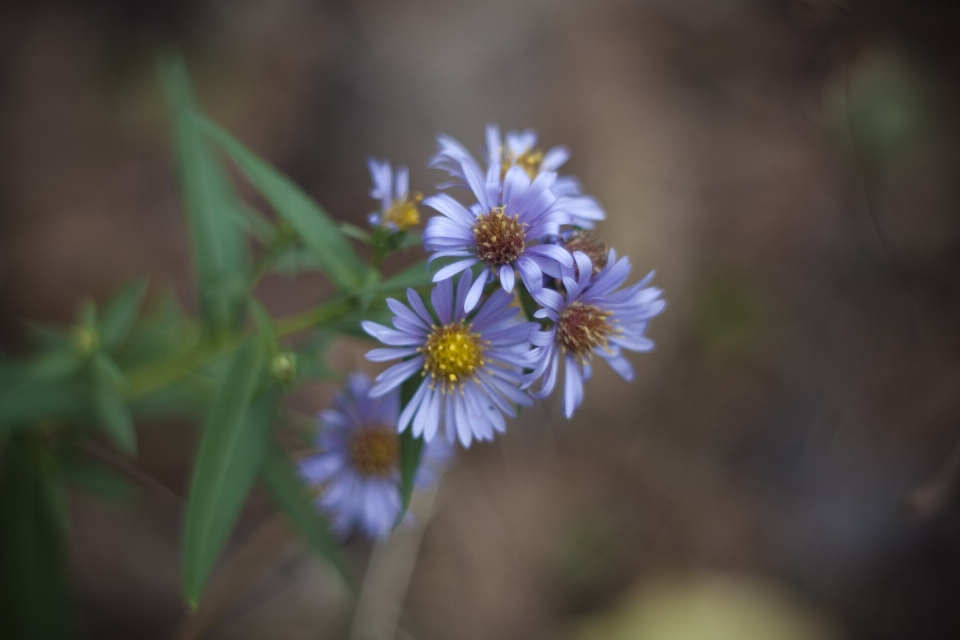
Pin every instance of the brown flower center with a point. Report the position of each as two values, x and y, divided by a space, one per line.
375 451
588 243
584 327
500 239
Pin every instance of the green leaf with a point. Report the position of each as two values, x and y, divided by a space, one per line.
229 458
109 406
119 316
355 232
293 498
35 598
81 473
219 246
26 400
318 231
411 450
416 276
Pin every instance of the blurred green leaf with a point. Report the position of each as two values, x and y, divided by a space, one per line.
119 316
35 598
411 450
81 473
109 405
355 232
416 276
292 496
294 259
318 231
219 245
26 401
229 458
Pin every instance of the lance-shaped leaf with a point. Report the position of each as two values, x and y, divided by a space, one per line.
411 451
292 497
320 234
120 314
109 405
219 246
229 459
35 600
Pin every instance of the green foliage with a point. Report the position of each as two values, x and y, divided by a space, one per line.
231 451
35 599
219 246
411 451
81 473
109 406
319 233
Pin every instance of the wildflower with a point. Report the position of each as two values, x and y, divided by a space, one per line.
520 149
398 208
503 231
470 365
358 466
593 318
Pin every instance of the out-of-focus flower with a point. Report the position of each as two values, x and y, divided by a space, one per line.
592 318
398 207
519 149
470 365
358 466
503 230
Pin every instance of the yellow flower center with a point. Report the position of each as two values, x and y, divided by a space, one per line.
375 451
404 213
452 354
529 161
500 239
583 327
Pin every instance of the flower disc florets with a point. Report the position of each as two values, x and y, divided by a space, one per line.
583 327
375 452
404 214
452 354
587 243
500 238
530 161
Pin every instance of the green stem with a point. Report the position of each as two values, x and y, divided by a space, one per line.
527 302
156 376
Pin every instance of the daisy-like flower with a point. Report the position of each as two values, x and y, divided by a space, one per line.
358 467
398 207
593 318
519 149
470 365
503 230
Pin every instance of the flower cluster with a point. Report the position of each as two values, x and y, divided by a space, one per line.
477 359
473 357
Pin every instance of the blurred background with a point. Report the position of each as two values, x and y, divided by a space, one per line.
784 464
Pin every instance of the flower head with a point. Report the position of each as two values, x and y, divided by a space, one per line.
592 318
519 149
469 365
398 208
503 230
358 466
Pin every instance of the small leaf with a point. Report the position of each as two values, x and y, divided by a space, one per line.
318 231
109 405
292 497
26 400
229 458
83 474
416 276
355 232
411 450
35 598
219 246
120 315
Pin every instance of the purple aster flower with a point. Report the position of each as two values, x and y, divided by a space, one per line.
519 149
358 466
593 318
398 208
470 365
503 230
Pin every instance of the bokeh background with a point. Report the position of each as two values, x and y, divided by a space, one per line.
784 464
